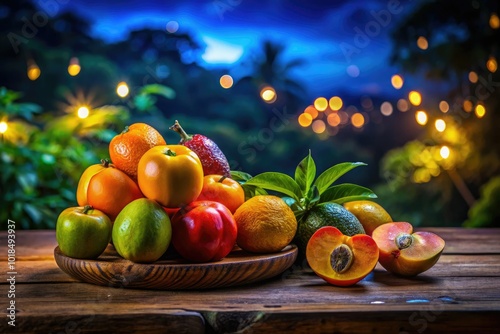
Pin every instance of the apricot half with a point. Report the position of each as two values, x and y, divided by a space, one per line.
339 259
406 253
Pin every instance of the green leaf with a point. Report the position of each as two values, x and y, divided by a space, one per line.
277 182
252 191
240 176
346 192
158 89
333 173
313 196
305 173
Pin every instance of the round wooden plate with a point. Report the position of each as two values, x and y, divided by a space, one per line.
238 268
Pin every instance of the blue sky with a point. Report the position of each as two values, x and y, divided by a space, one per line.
320 31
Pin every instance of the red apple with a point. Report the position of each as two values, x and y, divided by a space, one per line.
339 259
406 253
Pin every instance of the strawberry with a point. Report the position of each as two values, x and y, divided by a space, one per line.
212 159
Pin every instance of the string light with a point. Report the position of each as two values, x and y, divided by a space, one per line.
83 112
494 21
403 105
318 126
444 106
358 120
440 125
122 89
422 43
268 94
421 117
3 127
444 152
305 120
226 81
415 98
480 111
74 67
335 103
33 71
386 108
467 105
473 77
311 111
397 81
321 103
492 65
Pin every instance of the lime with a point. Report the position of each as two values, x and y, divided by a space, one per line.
142 231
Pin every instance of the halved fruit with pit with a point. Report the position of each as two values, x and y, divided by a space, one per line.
339 259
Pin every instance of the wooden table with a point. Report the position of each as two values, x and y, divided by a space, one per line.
460 294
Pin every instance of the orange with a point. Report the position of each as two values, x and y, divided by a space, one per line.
127 148
265 224
110 190
83 183
224 190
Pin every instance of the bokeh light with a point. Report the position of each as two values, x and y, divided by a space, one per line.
397 81
226 81
386 108
318 126
311 111
357 120
321 104
172 26
335 103
353 71
415 98
403 105
444 152
34 72
333 119
3 127
74 67
122 89
268 94
344 117
480 111
305 119
440 125
468 105
422 43
421 117
83 112
444 106
367 103
473 77
492 65
494 21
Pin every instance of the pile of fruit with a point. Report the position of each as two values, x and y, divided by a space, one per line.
154 196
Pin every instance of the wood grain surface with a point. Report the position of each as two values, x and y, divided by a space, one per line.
238 268
460 294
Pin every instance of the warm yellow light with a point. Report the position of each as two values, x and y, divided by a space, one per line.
492 65
403 105
444 152
3 127
226 81
440 125
386 108
494 21
421 117
335 103
415 98
34 72
422 43
311 111
473 77
321 104
83 112
444 106
74 67
357 120
467 105
397 81
480 111
305 120
333 119
318 126
268 94
122 89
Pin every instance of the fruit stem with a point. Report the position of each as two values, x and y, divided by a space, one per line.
170 153
178 128
341 259
222 179
125 130
403 240
86 209
105 163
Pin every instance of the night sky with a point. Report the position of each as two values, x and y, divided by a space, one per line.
320 31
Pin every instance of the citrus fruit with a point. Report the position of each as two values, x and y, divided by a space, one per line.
265 224
83 232
327 214
370 214
110 190
142 231
224 190
127 148
83 183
